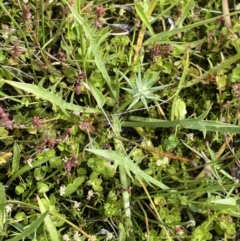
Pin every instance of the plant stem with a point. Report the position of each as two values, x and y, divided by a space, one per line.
119 147
143 29
23 35
225 8
180 84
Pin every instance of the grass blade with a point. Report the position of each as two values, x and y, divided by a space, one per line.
27 168
16 158
95 50
164 35
48 222
2 206
143 18
27 231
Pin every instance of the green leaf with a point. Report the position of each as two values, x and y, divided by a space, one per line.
95 50
54 99
42 187
54 236
130 82
221 82
20 228
157 38
235 76
2 206
27 168
128 165
27 231
2 56
193 123
122 232
143 18
16 158
180 109
95 182
232 201
101 166
72 187
97 95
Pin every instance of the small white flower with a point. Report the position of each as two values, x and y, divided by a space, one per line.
179 230
190 136
76 236
162 162
191 223
90 194
236 180
62 190
65 159
77 113
76 205
110 236
66 237
29 161
45 150
8 208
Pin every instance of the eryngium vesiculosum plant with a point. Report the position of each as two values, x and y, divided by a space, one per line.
142 88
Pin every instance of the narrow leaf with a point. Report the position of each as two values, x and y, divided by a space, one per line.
19 227
16 158
2 206
27 231
27 168
163 35
95 50
195 124
46 95
144 18
128 164
98 96
48 222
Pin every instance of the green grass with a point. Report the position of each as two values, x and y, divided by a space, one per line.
105 136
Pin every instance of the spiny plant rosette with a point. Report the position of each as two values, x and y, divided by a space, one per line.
143 88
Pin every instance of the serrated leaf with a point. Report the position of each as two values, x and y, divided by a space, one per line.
193 123
129 166
54 99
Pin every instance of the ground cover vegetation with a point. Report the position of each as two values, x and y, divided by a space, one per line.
119 120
